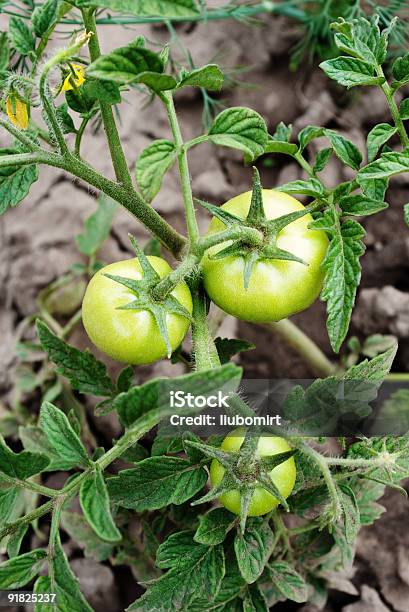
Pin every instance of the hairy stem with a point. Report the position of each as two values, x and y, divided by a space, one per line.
117 154
303 345
79 135
175 277
191 222
394 109
28 484
205 352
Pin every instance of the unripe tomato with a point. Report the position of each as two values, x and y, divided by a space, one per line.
131 336
277 288
283 475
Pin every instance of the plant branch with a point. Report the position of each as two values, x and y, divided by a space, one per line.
389 94
303 345
117 154
205 352
19 135
28 484
191 221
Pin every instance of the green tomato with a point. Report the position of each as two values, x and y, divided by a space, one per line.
283 475
277 288
131 336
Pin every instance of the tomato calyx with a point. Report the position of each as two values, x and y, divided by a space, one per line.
145 299
244 471
256 219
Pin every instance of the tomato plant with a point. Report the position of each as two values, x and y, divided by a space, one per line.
144 500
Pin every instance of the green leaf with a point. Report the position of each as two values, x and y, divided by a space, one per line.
94 501
44 16
253 549
240 128
196 573
167 9
61 436
361 206
277 146
156 482
152 165
21 35
377 369
156 393
15 540
126 64
8 498
289 582
254 600
20 465
384 167
344 149
4 51
42 586
322 159
342 273
309 133
97 227
35 441
65 119
80 530
400 69
64 583
404 109
208 77
313 187
229 347
374 189
214 526
377 137
350 72
84 371
156 81
282 132
15 182
18 571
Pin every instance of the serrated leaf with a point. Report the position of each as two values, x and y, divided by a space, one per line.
384 167
344 149
400 69
404 109
7 500
282 132
322 159
35 441
361 206
20 465
309 133
15 182
21 35
377 137
376 369
18 571
240 128
229 347
42 586
196 572
44 16
61 436
253 549
156 482
288 581
312 187
214 526
4 51
167 9
125 64
84 371
350 72
152 165
342 274
208 77
95 505
97 227
64 583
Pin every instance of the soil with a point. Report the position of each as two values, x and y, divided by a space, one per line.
36 246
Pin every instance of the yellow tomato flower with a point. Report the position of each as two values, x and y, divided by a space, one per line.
17 112
75 79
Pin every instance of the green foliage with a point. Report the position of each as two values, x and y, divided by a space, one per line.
15 181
